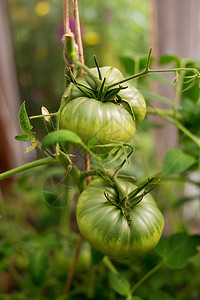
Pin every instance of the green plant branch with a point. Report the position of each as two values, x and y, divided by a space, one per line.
107 262
42 116
147 70
97 81
146 276
37 163
167 117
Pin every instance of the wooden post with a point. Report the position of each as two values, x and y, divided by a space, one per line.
11 152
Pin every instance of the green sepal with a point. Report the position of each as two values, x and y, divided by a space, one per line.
112 93
134 197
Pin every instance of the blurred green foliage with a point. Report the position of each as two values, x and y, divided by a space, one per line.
38 233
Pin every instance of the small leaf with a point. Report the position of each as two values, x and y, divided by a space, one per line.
176 161
24 120
96 256
22 137
177 249
61 136
119 283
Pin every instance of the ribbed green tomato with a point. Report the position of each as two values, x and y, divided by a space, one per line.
90 118
105 227
110 121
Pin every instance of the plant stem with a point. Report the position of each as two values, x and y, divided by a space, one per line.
73 266
147 70
107 262
97 81
42 116
146 276
165 115
37 163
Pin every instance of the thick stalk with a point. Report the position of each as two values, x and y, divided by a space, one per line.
96 80
37 163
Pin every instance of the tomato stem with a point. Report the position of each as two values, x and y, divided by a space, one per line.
42 116
37 163
146 276
147 70
96 80
107 262
167 116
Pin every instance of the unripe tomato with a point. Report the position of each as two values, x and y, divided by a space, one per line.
103 224
112 121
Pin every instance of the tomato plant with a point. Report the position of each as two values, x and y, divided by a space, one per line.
105 226
99 202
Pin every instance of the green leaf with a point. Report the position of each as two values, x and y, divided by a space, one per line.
96 256
177 249
24 120
151 96
176 161
168 59
22 137
157 295
119 283
136 298
61 136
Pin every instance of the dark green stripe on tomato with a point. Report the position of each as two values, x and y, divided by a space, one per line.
105 227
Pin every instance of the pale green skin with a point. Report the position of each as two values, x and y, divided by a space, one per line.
105 227
110 122
90 118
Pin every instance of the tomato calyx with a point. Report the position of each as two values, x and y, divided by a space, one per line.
101 93
132 199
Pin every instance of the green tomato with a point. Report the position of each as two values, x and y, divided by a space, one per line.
90 118
110 121
103 224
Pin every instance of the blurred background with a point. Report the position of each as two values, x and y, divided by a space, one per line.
32 69
31 62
